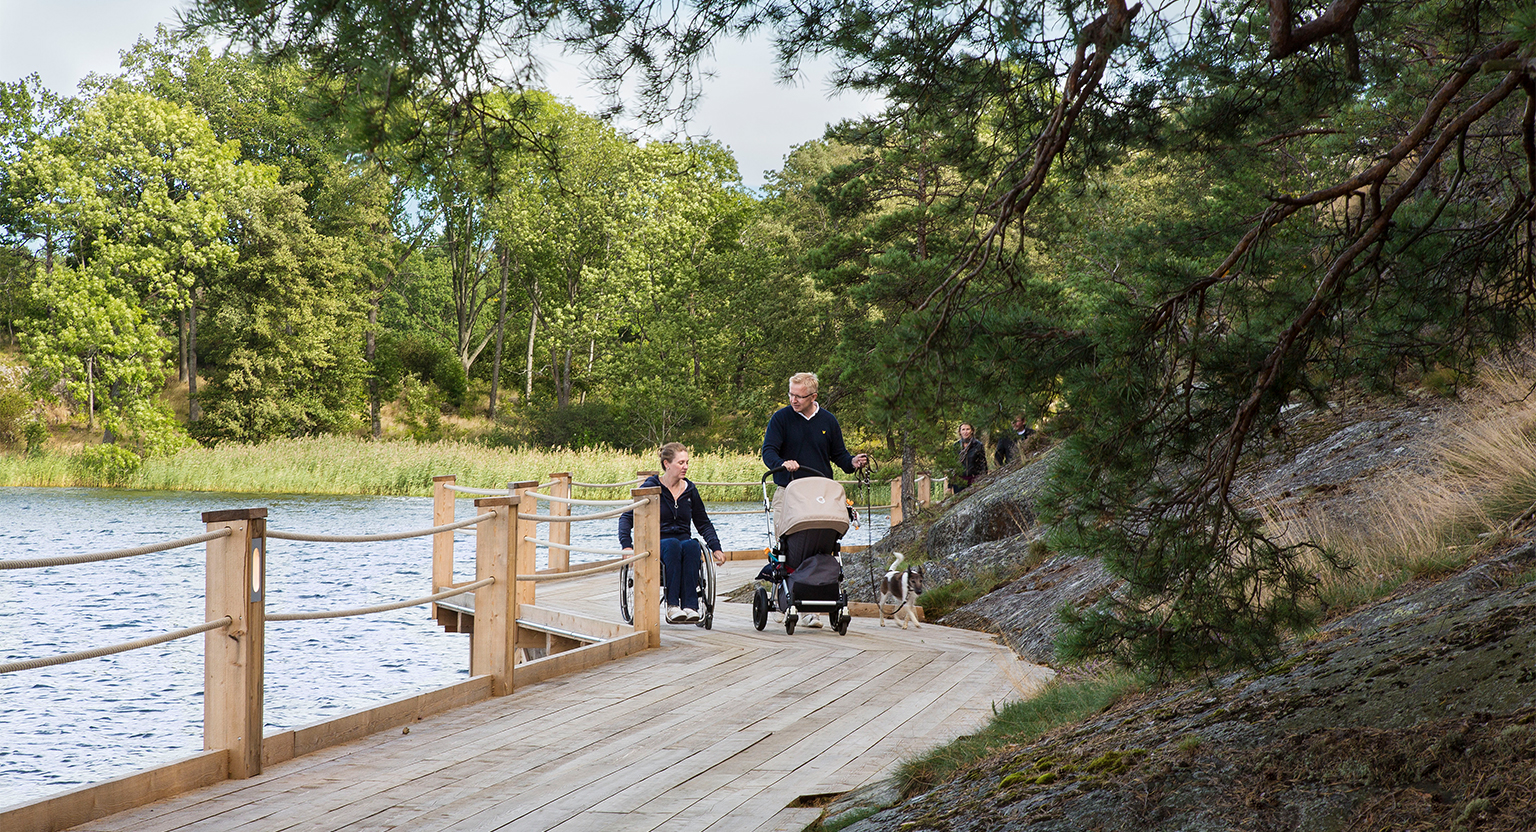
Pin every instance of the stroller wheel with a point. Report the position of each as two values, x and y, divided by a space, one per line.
760 608
843 619
789 624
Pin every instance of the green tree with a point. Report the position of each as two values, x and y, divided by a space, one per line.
94 341
1360 176
281 332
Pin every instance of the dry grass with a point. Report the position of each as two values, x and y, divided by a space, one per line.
1480 484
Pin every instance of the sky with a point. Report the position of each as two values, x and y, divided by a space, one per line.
744 107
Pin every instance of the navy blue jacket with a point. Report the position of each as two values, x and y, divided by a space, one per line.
816 442
675 516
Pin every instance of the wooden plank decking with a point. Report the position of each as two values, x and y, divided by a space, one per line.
716 730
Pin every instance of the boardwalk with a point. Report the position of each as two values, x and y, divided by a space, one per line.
716 730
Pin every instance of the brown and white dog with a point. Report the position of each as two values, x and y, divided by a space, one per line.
898 591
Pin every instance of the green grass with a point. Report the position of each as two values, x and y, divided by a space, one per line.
348 465
1060 703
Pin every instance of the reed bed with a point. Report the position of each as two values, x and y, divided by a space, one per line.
348 465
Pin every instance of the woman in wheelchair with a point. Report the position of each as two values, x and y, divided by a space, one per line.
680 553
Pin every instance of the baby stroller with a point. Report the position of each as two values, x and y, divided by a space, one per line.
806 519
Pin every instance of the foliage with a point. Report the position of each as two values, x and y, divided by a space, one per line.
105 465
91 340
281 335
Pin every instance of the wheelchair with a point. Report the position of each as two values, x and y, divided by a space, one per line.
706 591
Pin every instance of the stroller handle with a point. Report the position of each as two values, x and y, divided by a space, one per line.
771 471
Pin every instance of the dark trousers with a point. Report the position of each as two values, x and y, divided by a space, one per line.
680 559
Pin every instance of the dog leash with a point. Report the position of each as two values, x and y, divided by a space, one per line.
869 529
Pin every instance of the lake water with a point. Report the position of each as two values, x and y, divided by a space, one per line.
90 721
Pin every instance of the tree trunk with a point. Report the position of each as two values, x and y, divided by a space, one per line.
90 392
533 328
501 328
194 410
181 337
370 354
908 472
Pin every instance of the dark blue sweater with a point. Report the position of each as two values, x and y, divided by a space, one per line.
675 515
816 442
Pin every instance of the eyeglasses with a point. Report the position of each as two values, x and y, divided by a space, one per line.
794 397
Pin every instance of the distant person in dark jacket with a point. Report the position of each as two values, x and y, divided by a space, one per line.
804 434
681 556
1008 443
973 458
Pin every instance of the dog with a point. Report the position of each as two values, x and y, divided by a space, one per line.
899 590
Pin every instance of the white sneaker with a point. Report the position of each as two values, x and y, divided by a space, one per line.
674 615
778 617
690 615
811 620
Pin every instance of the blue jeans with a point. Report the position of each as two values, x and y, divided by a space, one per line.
680 571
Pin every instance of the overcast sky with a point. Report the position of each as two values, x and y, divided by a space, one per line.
760 120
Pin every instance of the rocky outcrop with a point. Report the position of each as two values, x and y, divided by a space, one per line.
1417 713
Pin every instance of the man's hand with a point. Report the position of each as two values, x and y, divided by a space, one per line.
719 558
791 465
860 461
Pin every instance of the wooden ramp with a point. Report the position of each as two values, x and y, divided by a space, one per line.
716 730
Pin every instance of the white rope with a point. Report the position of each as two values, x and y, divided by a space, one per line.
97 652
606 484
745 511
550 518
397 605
575 502
370 538
486 492
730 484
565 576
614 552
65 560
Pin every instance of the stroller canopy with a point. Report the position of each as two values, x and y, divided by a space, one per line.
810 503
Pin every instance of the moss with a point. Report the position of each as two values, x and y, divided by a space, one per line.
1115 762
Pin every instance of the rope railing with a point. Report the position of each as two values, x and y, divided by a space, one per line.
480 492
566 548
602 515
607 484
98 652
578 573
148 548
396 605
374 538
575 502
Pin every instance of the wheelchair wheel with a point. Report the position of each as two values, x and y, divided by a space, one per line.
760 608
707 592
627 594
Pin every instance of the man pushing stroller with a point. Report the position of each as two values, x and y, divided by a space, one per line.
804 439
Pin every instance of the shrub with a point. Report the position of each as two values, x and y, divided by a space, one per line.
106 464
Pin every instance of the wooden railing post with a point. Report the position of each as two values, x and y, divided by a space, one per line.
443 501
647 570
526 560
236 586
560 559
491 649
924 490
895 501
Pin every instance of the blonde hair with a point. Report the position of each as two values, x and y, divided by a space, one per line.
669 453
806 379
